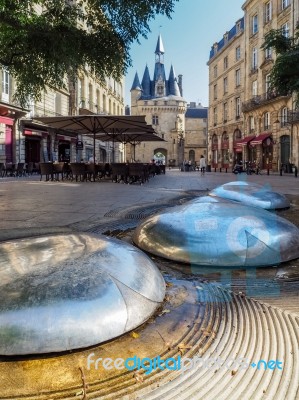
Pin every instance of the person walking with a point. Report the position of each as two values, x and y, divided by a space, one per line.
202 164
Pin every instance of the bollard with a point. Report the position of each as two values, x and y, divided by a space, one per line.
220 169
226 170
296 172
280 171
268 171
215 169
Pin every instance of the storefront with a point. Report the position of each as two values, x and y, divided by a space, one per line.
214 151
6 139
63 146
34 145
262 146
225 150
243 149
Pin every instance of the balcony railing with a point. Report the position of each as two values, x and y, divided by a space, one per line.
257 101
293 117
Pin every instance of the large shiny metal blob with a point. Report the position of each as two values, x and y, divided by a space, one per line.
252 195
224 234
65 292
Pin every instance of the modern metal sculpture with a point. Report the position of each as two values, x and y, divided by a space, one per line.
225 234
251 195
64 292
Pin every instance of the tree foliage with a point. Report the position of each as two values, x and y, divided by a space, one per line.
284 76
43 40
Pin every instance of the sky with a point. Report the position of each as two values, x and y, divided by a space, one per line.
187 39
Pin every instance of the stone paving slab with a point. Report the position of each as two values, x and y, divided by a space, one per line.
29 202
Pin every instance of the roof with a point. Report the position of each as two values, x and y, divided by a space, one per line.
231 34
159 47
136 83
196 113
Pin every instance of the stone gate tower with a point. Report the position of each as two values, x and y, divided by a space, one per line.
161 101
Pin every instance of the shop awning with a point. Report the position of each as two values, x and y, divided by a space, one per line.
244 141
260 138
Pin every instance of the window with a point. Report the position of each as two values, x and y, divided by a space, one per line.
268 12
225 62
254 58
254 88
285 28
215 92
215 71
238 77
155 120
267 84
238 107
254 22
225 112
238 26
251 123
285 4
5 85
215 116
284 116
238 53
225 85
266 120
268 53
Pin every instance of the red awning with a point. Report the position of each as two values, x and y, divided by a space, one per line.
6 120
260 138
244 141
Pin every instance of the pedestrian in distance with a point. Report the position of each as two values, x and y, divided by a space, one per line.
202 165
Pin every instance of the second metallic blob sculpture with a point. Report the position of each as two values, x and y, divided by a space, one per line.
216 233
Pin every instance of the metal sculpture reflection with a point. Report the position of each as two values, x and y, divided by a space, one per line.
225 234
251 195
65 292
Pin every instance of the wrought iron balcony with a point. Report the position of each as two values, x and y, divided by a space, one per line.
293 117
257 101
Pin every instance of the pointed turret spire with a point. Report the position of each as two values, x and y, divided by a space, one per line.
136 84
173 84
159 47
146 83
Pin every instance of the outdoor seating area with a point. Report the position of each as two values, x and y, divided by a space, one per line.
128 173
18 169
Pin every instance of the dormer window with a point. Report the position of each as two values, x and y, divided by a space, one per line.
160 90
225 37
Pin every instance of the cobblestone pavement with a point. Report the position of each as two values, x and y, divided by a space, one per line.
30 203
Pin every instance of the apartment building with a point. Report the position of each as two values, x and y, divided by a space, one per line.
267 116
23 139
196 132
226 95
265 129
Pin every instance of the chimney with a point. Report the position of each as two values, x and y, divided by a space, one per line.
180 83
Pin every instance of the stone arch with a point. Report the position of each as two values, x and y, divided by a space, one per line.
160 154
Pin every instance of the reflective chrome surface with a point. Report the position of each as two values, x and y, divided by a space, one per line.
219 234
70 291
251 195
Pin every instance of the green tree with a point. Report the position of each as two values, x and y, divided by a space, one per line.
284 76
43 41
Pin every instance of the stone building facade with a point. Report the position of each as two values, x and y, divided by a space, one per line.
266 131
22 139
196 128
226 94
161 101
